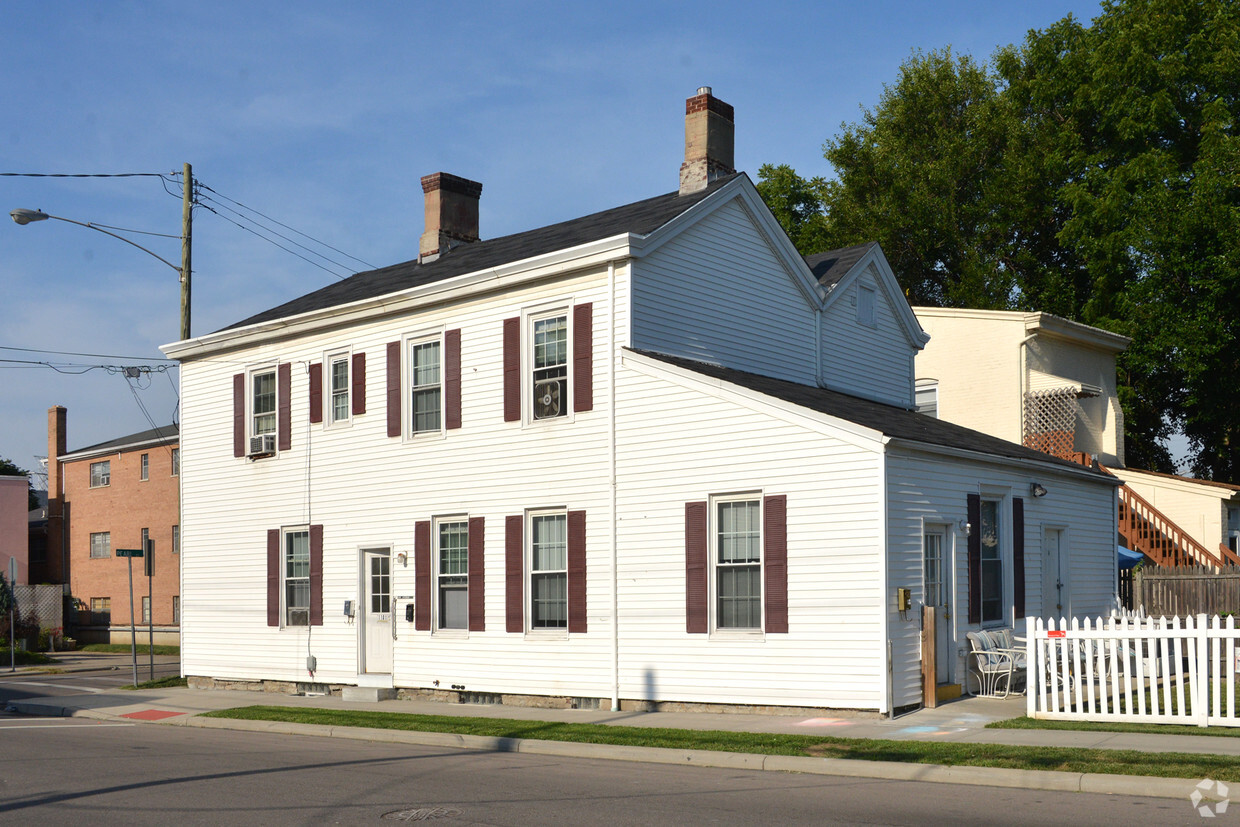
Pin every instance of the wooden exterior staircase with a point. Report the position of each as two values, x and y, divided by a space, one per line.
1144 528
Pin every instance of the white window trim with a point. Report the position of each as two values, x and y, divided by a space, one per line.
406 384
106 476
274 370
712 551
285 532
529 316
329 419
436 629
1003 513
528 574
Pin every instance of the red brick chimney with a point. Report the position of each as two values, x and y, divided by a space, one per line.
709 141
451 214
57 434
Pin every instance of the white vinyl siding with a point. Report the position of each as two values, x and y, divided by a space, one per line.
874 361
718 294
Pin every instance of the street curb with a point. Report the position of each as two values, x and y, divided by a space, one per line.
1050 780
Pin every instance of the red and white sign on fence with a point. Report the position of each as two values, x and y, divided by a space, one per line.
1149 670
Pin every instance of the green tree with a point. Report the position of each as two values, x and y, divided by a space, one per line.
1093 172
10 469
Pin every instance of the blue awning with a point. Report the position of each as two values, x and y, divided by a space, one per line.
1128 559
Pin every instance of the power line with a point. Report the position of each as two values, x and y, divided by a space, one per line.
345 267
92 355
287 227
81 174
277 244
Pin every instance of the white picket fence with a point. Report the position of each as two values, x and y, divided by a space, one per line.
1127 669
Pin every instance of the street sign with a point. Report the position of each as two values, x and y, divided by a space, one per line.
129 552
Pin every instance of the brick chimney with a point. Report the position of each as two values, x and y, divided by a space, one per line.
451 214
57 569
709 141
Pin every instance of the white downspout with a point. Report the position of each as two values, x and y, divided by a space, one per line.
612 356
1020 402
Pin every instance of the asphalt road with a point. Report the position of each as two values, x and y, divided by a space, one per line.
16 685
59 771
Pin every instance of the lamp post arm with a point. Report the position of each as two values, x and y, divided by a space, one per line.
99 229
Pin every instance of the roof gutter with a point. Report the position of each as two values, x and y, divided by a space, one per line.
1030 465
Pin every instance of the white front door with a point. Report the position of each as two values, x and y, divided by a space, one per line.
937 595
376 621
1054 567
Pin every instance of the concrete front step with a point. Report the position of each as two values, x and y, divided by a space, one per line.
369 694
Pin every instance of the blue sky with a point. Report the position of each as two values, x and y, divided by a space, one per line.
323 116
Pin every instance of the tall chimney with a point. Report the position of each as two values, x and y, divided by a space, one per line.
57 570
709 141
451 214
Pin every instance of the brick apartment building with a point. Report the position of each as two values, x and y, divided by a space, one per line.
114 495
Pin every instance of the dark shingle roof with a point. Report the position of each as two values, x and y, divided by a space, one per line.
894 422
830 267
639 218
166 434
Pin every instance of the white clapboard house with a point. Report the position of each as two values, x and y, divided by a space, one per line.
647 455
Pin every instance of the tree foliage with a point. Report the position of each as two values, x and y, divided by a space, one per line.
1092 172
10 469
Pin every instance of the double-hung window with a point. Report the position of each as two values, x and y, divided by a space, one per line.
176 462
426 386
295 573
992 563
101 544
549 571
100 473
176 539
738 564
452 574
263 402
338 404
144 472
549 366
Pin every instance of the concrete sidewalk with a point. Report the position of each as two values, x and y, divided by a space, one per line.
961 721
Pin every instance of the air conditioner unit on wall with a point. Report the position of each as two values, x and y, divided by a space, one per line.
263 445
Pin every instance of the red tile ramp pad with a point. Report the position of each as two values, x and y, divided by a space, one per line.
151 715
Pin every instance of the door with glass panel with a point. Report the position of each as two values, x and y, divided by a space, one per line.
375 623
938 594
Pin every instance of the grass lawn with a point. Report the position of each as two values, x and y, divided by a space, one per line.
21 657
1117 726
124 648
1119 762
160 683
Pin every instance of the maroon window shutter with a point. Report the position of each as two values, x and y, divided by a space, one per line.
512 370
239 415
577 571
273 576
422 575
316 575
775 563
316 392
477 584
583 357
393 389
358 382
1018 556
695 569
514 573
975 558
452 378
284 406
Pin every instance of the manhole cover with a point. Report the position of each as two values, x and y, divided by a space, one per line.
423 813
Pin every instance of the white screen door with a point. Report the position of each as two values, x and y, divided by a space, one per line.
937 594
376 625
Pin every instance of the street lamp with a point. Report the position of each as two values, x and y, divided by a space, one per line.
24 217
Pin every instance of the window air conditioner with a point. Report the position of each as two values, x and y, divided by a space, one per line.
298 617
262 445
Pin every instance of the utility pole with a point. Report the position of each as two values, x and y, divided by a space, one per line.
187 229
